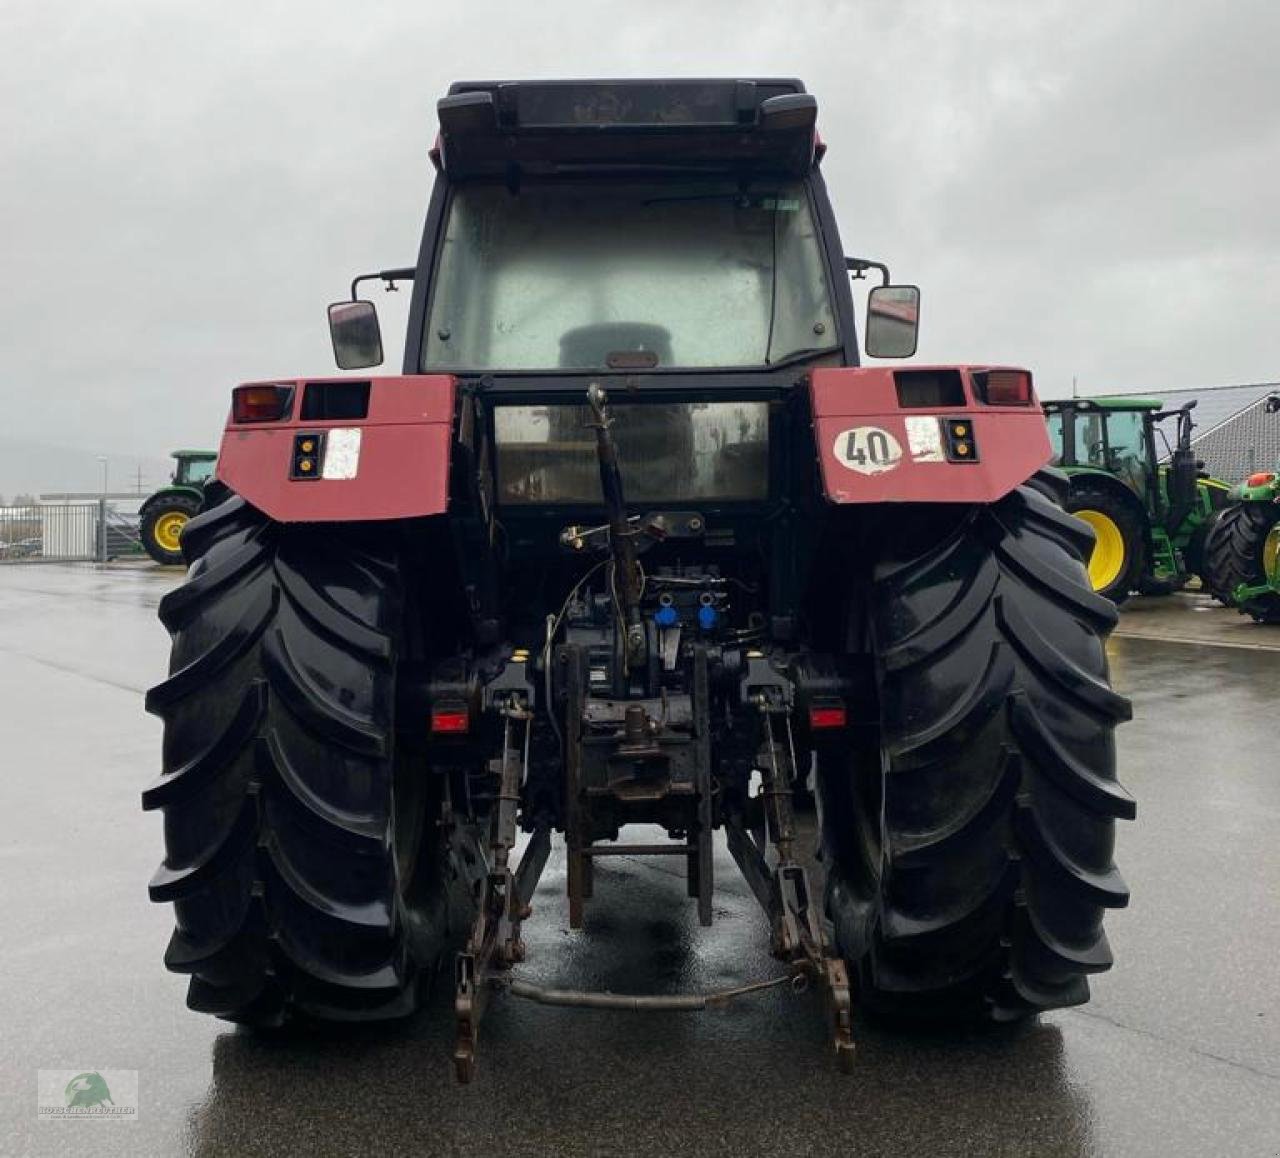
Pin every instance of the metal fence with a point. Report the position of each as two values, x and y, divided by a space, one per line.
70 529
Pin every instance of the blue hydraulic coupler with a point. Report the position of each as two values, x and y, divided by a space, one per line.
666 617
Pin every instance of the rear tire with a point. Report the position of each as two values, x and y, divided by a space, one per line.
161 525
305 871
1117 560
1240 547
1196 554
970 853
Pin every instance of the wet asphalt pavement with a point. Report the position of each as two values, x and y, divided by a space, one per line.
1178 1053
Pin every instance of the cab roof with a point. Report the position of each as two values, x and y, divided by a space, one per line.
1104 403
507 128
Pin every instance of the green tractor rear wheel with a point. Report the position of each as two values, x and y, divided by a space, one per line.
1244 551
161 526
1117 560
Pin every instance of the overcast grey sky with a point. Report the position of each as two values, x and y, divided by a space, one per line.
1083 188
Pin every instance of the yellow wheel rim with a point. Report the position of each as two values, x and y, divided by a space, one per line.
168 528
1271 556
1107 562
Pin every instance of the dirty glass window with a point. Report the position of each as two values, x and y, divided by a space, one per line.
198 471
1054 420
667 452
1124 433
1126 448
1091 446
1113 441
627 275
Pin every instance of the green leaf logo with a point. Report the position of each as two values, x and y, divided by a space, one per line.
87 1090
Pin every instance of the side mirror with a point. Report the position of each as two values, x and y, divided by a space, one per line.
893 321
357 338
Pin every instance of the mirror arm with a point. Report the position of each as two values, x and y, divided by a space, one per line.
859 267
390 276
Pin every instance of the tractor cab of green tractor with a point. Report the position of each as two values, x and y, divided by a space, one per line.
195 467
1139 486
1112 437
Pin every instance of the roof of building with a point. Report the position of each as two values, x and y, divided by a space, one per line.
1234 434
1214 404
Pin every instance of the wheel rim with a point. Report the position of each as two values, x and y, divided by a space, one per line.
1271 556
168 530
1107 562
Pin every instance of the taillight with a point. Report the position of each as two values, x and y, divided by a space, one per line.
260 403
450 721
827 715
1004 387
1261 479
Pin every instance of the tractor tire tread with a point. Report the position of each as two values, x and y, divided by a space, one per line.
980 897
276 779
1234 552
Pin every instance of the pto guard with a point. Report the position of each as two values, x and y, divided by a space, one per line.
392 463
873 449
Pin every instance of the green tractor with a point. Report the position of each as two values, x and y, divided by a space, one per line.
165 513
1150 520
1243 551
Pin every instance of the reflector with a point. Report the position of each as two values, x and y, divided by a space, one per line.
961 443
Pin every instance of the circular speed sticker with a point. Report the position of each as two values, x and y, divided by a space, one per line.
868 449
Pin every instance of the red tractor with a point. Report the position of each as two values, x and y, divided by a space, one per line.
633 540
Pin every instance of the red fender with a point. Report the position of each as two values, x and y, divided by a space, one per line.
874 449
401 461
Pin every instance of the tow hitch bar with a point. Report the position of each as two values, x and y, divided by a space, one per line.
494 946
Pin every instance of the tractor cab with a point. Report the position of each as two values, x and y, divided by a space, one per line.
1114 436
194 467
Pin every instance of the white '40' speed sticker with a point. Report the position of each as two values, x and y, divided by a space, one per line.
868 449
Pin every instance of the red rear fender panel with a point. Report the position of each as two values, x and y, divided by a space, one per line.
874 450
396 467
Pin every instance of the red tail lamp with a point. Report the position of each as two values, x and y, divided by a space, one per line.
260 403
450 721
1261 479
1008 388
824 716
